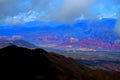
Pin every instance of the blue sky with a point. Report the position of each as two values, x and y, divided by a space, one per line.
21 11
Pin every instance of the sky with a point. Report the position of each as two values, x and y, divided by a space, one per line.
66 11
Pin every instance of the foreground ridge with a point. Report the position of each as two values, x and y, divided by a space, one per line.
37 64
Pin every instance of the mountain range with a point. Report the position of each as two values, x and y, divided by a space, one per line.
85 35
19 63
105 60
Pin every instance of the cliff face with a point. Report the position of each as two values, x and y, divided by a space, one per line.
25 64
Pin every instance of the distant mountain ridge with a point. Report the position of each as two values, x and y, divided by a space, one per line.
20 43
98 34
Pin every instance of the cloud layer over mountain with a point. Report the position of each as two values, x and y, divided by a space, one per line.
20 11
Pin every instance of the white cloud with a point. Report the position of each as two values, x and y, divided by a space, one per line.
13 11
117 28
72 9
24 17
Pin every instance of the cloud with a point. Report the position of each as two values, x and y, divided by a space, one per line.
67 11
20 11
23 17
12 8
117 27
72 9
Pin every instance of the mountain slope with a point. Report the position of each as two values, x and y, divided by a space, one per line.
25 64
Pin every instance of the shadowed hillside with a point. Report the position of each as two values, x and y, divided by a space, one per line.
25 64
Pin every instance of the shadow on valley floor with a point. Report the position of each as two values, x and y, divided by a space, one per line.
19 63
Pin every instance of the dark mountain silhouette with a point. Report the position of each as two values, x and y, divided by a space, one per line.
17 63
20 43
